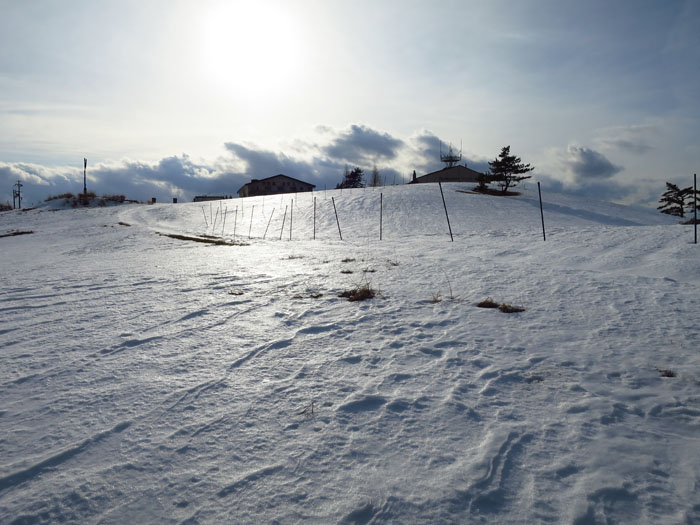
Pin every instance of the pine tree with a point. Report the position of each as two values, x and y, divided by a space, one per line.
692 202
375 179
508 169
675 200
483 181
352 179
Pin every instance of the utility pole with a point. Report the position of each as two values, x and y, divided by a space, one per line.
84 176
18 194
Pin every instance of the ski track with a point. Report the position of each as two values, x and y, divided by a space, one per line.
202 388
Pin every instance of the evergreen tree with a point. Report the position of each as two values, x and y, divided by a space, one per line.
352 179
692 202
375 179
674 201
508 169
483 181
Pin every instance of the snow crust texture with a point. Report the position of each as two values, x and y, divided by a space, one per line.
152 379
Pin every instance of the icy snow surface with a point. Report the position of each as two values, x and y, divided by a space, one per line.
151 379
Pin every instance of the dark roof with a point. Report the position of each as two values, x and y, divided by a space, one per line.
453 172
275 176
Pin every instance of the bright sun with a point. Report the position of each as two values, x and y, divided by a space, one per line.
252 48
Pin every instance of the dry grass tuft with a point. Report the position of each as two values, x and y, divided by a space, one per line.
510 309
488 303
436 298
666 372
208 240
359 293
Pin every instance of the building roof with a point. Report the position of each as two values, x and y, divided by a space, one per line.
452 174
274 177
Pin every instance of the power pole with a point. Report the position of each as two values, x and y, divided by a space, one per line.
18 194
84 176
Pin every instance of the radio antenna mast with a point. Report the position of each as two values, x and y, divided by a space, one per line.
450 158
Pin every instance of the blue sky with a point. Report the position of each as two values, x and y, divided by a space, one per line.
177 98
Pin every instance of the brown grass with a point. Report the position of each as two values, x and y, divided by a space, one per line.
510 309
217 242
61 196
436 298
359 293
488 303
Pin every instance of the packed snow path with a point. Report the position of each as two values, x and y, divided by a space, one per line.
147 379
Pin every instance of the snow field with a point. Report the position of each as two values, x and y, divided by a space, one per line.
149 379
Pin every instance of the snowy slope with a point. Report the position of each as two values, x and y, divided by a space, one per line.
149 379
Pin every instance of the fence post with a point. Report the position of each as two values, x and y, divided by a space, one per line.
314 218
235 223
544 235
381 206
206 222
291 219
336 218
268 223
251 221
446 215
695 207
283 219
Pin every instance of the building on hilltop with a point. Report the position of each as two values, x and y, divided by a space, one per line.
203 198
273 185
452 172
449 174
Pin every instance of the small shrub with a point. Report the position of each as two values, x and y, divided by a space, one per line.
102 202
359 293
488 303
62 196
666 372
510 309
346 271
5 207
84 198
369 270
436 298
114 198
348 260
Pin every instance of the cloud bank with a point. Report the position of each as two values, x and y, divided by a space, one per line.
576 169
321 163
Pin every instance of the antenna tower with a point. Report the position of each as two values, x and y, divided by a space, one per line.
17 194
450 158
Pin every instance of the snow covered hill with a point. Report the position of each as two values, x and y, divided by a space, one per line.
148 377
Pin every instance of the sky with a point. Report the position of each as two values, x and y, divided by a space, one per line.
174 98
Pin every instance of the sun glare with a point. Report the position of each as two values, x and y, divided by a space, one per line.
251 49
